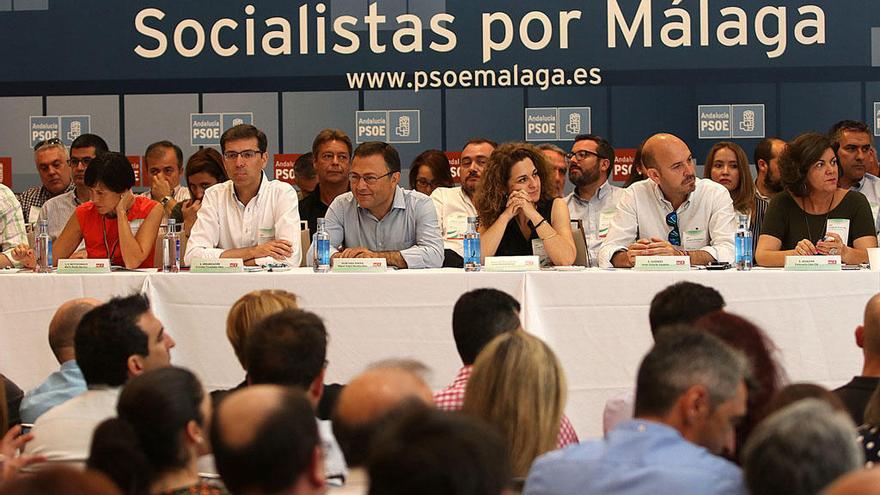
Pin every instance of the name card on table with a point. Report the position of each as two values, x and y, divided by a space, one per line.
662 263
78 266
512 264
813 263
222 265
359 265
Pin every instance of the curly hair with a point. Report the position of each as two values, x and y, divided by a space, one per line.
491 197
798 157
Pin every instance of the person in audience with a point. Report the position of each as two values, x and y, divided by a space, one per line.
51 158
380 219
860 482
518 386
518 210
266 442
153 445
68 381
332 151
869 430
60 480
673 214
11 401
795 392
305 175
455 204
799 222
115 224
800 450
203 170
114 342
858 391
14 249
594 200
558 161
12 443
728 165
637 171
429 171
249 216
691 393
768 183
430 452
163 162
853 143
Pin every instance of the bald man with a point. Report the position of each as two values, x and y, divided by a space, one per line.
672 214
857 392
266 441
861 482
68 381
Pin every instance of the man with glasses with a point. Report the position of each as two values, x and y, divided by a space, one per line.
332 154
163 161
248 216
672 214
50 157
455 204
556 157
379 219
594 200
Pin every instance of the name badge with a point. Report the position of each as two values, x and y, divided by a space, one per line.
662 263
813 263
222 265
605 218
839 226
95 265
694 238
512 264
359 265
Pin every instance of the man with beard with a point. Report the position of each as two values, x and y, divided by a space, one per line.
594 200
769 181
672 214
455 204
853 143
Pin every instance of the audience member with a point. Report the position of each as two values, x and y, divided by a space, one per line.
690 395
796 392
799 223
60 480
332 151
12 444
768 183
203 170
861 482
728 165
429 171
558 166
853 144
13 236
163 162
11 400
673 214
50 157
248 217
305 175
858 391
68 381
869 431
519 214
380 219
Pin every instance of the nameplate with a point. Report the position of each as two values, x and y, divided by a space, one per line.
662 263
96 265
222 265
359 265
512 264
813 263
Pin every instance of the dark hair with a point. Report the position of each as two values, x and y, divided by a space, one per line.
798 157
328 135
796 392
491 197
478 317
155 150
682 302
206 160
837 130
107 336
287 348
480 140
764 150
278 453
305 165
111 169
60 480
430 452
634 174
146 439
244 131
388 152
603 148
90 140
438 163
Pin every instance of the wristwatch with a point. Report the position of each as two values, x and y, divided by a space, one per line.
165 200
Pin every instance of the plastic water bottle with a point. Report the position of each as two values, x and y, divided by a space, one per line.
321 263
743 244
471 256
44 249
171 248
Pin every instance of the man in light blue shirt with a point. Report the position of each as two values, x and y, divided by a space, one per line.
379 219
690 394
67 382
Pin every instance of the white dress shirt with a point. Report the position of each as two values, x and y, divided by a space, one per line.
453 209
706 220
58 211
596 215
225 223
870 187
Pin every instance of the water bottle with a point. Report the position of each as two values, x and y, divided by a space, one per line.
471 256
43 249
743 244
171 248
321 263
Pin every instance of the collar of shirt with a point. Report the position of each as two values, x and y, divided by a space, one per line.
465 197
600 194
264 183
758 193
661 198
858 186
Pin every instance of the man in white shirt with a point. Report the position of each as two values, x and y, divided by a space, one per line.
455 204
247 217
556 157
594 200
672 214
853 143
163 162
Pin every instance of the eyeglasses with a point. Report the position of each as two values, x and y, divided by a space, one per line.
246 154
328 157
47 142
425 182
369 179
581 155
73 162
674 235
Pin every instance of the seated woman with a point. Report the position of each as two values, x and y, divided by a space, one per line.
116 224
797 219
203 170
728 165
516 207
429 171
153 446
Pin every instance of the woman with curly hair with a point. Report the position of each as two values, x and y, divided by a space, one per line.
517 209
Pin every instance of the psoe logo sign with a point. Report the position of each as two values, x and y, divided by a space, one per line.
206 128
731 121
64 127
557 124
392 126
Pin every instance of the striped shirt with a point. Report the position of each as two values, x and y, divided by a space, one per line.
12 231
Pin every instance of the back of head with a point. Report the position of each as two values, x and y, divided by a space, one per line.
59 480
287 348
62 328
107 336
682 302
871 332
801 449
478 317
861 482
796 392
90 140
429 452
249 310
111 169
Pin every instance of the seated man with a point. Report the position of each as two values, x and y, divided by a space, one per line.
331 151
163 161
857 393
247 217
672 214
50 157
13 237
305 175
379 219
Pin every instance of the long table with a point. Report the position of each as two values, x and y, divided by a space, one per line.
595 320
